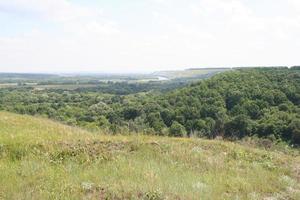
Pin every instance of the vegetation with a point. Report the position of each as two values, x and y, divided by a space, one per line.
263 102
42 159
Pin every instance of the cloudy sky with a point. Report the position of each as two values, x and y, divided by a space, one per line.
146 35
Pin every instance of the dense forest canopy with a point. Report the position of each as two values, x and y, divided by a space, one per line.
243 102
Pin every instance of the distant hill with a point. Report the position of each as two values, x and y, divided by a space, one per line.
42 159
190 73
26 75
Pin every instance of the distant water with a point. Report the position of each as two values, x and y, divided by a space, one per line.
161 78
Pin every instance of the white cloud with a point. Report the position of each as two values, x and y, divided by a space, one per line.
220 8
57 10
96 27
181 34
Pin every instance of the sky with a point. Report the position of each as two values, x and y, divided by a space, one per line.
146 35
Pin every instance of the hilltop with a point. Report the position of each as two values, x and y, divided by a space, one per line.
43 159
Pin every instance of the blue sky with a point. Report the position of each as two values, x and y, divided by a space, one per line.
146 35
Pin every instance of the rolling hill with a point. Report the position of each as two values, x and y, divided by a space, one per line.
190 73
43 159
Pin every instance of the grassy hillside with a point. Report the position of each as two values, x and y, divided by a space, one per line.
42 159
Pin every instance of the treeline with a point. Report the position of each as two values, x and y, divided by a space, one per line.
264 102
125 88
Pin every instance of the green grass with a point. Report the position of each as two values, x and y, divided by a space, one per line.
42 159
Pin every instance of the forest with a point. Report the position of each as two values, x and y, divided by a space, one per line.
260 102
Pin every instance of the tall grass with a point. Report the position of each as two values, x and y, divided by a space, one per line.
41 159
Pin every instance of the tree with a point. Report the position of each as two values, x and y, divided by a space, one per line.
252 109
167 117
100 108
155 121
233 98
103 122
177 130
201 128
295 129
130 113
238 127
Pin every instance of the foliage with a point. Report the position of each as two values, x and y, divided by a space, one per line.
177 130
233 104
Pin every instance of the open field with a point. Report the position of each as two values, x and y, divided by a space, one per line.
189 73
42 159
75 81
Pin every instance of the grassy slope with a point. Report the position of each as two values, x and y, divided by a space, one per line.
41 159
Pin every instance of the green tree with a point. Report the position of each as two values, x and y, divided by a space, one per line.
295 129
177 130
155 121
238 127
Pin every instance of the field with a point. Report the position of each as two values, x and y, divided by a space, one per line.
75 81
190 73
42 159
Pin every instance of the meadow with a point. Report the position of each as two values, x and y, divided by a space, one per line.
43 159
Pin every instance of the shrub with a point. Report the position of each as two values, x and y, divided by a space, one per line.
177 130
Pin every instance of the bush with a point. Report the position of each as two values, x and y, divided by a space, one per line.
239 127
177 130
295 129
